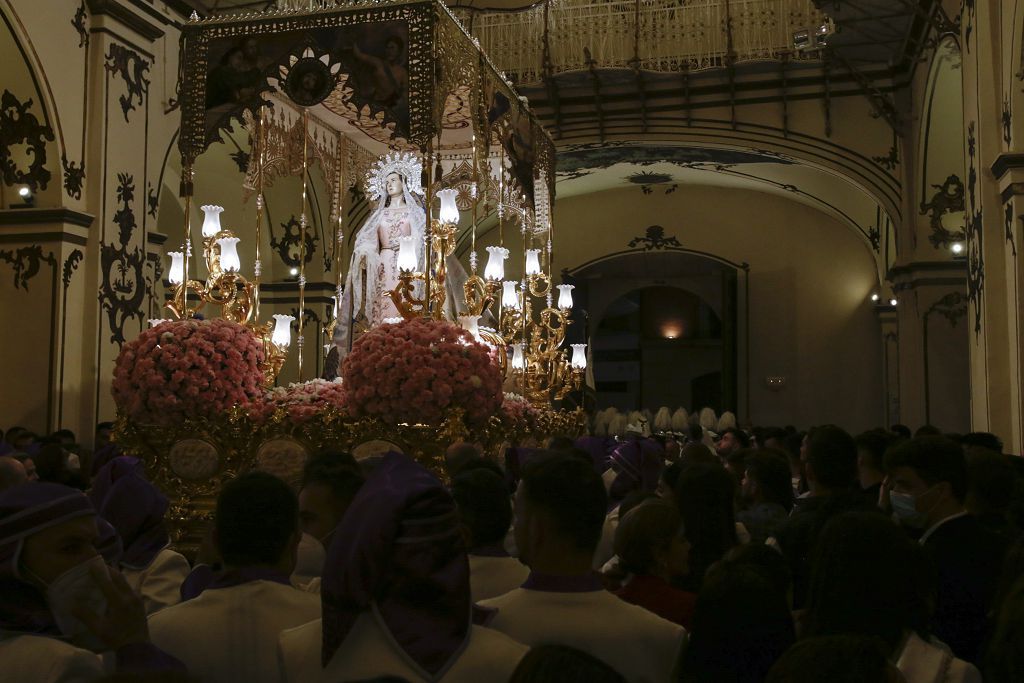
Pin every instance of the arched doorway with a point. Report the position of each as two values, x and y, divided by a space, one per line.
666 328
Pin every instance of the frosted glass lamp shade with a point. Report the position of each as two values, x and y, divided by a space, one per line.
211 223
518 361
282 335
565 296
393 321
407 253
579 356
229 261
495 269
471 324
533 261
509 298
176 274
153 322
449 212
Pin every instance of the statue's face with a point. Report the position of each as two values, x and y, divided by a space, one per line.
393 184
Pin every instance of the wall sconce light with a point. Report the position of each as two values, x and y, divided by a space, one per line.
25 192
893 302
957 248
875 297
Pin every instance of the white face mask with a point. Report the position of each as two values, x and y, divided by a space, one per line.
73 589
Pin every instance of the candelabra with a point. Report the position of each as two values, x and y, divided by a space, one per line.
227 288
442 242
527 322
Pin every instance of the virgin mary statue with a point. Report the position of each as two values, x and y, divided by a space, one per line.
394 185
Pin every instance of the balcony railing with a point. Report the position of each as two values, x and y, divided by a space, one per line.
653 35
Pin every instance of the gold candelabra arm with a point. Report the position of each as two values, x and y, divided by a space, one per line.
404 297
273 355
539 285
173 304
480 294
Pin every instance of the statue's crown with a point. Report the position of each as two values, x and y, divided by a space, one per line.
404 164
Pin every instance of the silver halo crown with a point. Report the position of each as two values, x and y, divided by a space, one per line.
404 164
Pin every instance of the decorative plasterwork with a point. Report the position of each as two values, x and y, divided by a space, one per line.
975 238
654 239
947 200
26 262
20 130
131 67
123 286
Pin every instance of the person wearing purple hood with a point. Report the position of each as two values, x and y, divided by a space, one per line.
395 593
59 603
636 465
135 508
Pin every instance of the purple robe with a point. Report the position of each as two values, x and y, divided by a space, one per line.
398 552
134 507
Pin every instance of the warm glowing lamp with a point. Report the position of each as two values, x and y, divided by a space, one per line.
518 361
449 213
565 296
495 269
533 261
471 324
407 253
211 223
176 275
579 356
229 261
509 298
282 335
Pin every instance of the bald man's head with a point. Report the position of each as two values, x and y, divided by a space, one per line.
12 473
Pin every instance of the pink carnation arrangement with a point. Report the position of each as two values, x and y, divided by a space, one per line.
301 402
518 415
187 369
418 371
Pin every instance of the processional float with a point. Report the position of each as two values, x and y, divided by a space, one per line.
347 88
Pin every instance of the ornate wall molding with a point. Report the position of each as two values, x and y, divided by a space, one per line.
20 127
289 245
74 177
1008 221
123 287
975 238
26 262
653 240
948 199
79 23
132 68
70 266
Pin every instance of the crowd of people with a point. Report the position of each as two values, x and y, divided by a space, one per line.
766 554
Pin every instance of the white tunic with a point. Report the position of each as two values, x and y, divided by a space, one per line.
368 652
490 577
159 583
932 662
47 660
640 645
309 562
230 634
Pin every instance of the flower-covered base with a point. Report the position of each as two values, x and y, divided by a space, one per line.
191 461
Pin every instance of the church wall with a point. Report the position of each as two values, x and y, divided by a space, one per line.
810 281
